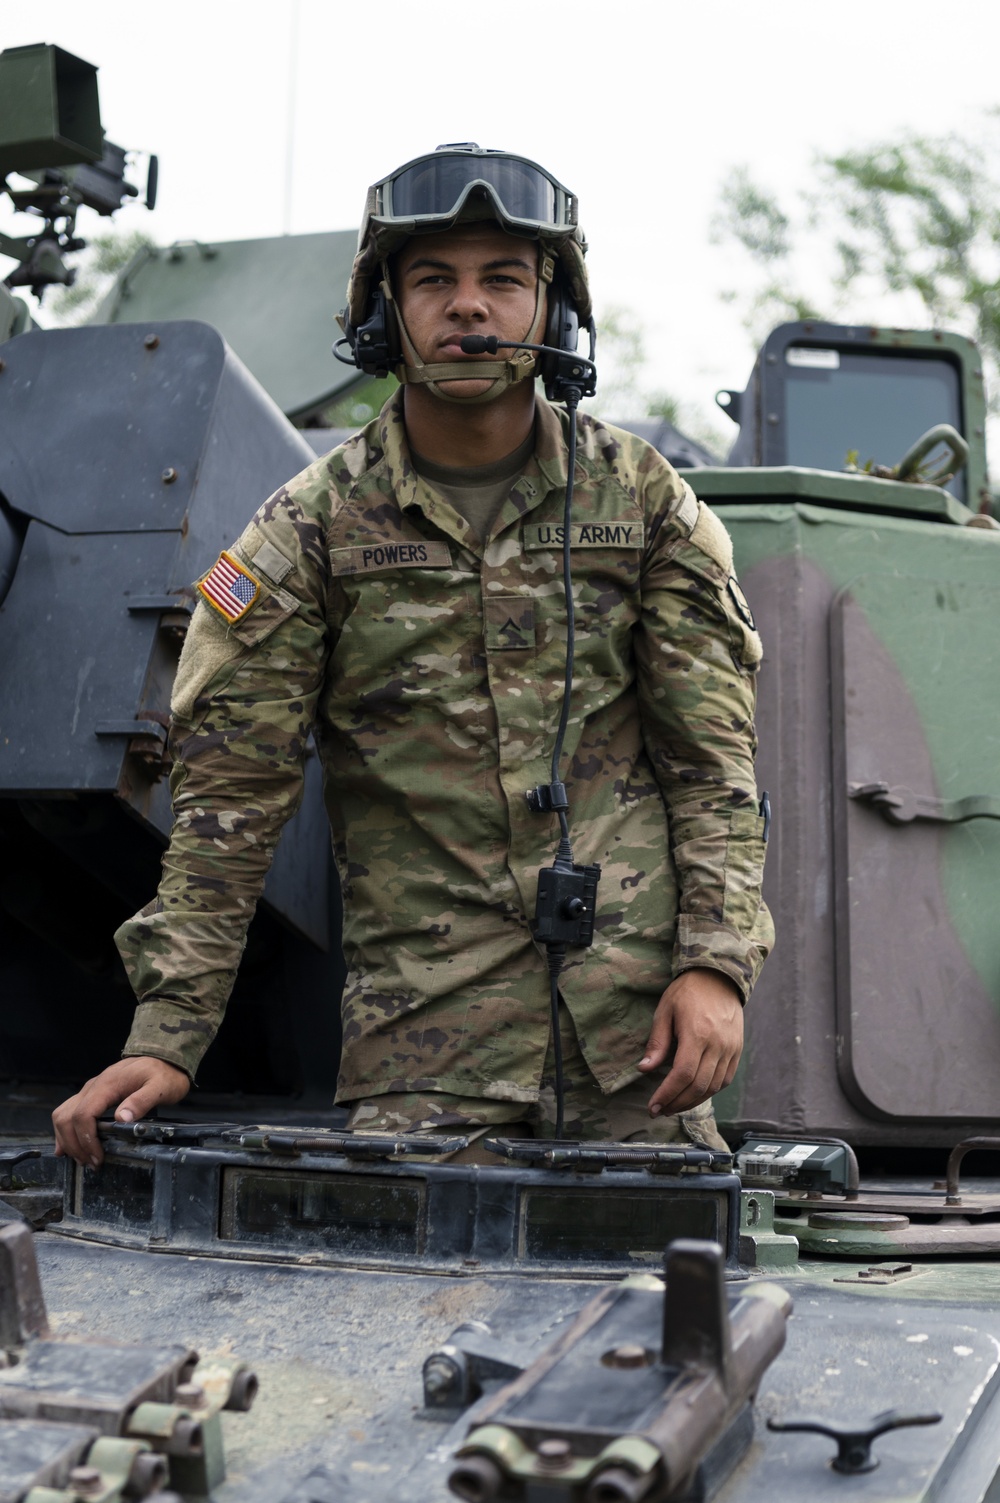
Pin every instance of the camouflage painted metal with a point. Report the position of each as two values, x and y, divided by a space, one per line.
879 1019
432 669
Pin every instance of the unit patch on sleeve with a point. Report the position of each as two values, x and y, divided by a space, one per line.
230 588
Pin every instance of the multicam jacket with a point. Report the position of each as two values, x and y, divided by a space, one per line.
431 672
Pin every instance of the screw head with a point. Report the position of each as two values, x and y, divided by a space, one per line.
169 475
85 1479
554 1455
189 1395
151 341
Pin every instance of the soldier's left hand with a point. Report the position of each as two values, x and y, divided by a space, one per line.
700 1018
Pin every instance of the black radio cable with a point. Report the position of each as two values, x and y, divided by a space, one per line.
556 953
564 909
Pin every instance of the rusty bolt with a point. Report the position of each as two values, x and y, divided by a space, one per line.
149 752
3 365
189 1395
629 1354
554 1455
440 1376
151 341
85 1479
169 475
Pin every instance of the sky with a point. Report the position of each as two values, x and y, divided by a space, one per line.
274 117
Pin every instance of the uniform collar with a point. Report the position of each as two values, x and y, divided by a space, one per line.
545 470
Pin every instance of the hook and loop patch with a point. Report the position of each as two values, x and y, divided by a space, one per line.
230 588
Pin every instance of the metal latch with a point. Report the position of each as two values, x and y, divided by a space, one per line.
854 1442
901 805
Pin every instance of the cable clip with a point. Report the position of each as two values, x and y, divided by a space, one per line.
547 798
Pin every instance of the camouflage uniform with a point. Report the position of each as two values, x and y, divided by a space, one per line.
620 1117
431 670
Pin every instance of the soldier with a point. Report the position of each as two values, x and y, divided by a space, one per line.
403 598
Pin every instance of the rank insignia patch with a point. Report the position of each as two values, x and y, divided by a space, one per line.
230 588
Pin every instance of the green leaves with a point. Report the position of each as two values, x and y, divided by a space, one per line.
750 214
106 256
899 232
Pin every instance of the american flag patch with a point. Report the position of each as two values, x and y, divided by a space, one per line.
230 587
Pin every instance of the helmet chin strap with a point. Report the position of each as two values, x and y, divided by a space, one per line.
502 374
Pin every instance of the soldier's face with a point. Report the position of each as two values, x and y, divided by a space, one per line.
475 279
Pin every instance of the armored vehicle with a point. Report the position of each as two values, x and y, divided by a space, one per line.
815 1315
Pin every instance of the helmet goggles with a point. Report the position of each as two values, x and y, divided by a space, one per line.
460 183
432 191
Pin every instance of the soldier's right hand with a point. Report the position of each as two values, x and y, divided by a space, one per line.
134 1086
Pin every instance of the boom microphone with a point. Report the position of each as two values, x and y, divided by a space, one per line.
572 373
488 344
480 344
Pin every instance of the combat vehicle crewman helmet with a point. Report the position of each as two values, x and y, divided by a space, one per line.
462 183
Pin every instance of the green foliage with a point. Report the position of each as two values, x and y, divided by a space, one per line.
105 257
621 361
901 232
754 217
623 391
751 215
360 403
923 219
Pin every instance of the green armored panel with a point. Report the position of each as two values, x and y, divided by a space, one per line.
820 393
915 706
49 110
273 301
878 1016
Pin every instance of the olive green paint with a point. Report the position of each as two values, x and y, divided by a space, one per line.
856 492
272 300
961 568
50 115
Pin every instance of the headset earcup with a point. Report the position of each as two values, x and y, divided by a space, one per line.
375 342
562 329
393 343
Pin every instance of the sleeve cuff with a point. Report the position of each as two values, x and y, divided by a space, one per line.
703 943
163 1030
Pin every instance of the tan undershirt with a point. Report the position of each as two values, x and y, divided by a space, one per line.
477 492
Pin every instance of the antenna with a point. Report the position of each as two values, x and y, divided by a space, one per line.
293 78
